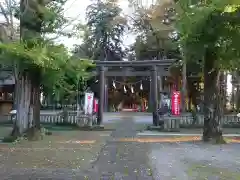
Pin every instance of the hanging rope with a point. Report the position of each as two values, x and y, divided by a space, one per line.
127 84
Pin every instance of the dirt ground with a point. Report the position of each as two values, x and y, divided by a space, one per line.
63 149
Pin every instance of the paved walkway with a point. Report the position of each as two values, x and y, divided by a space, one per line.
123 160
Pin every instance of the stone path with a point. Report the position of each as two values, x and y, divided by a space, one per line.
123 160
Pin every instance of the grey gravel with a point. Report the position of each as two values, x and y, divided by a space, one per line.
188 161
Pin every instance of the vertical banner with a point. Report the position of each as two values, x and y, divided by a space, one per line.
88 103
176 103
95 105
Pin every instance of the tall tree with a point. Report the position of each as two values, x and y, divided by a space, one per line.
106 26
154 23
209 31
36 56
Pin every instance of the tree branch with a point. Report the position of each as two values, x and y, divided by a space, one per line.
4 13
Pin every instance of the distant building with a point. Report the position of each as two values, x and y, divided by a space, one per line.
7 83
7 80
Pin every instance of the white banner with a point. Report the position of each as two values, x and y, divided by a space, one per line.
88 103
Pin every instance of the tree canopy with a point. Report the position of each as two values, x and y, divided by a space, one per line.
103 31
54 60
215 28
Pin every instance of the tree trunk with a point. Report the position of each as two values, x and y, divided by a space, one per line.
194 110
238 91
36 105
193 94
213 106
23 97
36 93
65 114
223 89
30 33
184 87
219 110
237 98
232 90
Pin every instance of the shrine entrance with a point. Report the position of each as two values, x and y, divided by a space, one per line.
152 69
126 93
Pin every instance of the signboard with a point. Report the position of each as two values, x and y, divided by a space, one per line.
176 103
88 103
165 101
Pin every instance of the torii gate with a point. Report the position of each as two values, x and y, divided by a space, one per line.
157 67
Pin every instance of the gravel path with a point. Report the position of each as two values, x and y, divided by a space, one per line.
188 161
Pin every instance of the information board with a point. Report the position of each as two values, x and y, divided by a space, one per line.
88 103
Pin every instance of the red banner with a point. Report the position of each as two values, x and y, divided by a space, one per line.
176 103
95 105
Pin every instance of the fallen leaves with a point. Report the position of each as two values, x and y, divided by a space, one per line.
171 139
157 140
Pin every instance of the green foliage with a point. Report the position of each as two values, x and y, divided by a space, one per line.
105 28
67 79
60 73
147 47
154 40
210 26
42 55
49 14
54 19
86 49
